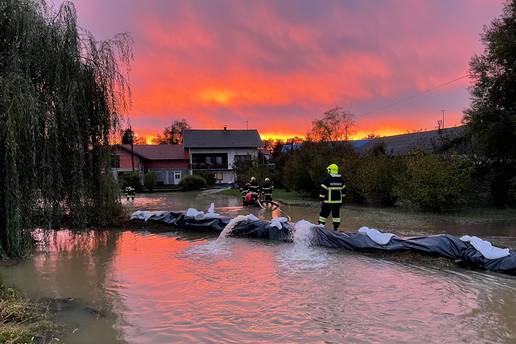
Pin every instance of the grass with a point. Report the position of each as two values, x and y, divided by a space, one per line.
22 321
480 214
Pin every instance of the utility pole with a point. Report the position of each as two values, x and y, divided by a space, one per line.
132 150
247 124
443 117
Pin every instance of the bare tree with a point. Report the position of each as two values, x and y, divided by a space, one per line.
174 133
335 125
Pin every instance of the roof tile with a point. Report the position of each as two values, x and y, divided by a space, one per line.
159 152
194 138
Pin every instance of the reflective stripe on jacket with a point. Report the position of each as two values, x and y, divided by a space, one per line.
267 189
331 189
254 187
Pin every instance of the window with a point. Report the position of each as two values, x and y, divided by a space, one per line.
246 157
177 176
219 176
213 161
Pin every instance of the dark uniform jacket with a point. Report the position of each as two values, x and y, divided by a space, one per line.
253 186
331 189
267 188
244 189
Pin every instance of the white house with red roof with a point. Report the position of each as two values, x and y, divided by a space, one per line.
209 151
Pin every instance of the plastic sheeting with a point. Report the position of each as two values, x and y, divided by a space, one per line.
443 245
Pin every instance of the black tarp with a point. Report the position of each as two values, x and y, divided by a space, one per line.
443 245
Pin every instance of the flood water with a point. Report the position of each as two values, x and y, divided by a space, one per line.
183 287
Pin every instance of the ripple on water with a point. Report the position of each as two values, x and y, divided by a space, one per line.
181 288
211 249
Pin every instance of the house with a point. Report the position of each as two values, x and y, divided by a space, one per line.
426 141
168 162
403 144
217 150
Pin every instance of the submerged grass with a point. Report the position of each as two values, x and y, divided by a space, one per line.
465 215
23 321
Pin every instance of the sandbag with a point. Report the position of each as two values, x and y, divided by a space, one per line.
443 245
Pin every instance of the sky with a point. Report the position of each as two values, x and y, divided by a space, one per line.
277 65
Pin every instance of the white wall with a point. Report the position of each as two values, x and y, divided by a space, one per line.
229 175
230 152
166 175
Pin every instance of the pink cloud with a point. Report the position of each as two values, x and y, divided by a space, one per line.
280 64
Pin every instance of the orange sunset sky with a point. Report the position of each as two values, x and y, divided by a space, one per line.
279 64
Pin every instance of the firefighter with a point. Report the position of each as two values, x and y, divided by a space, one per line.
331 196
267 189
253 185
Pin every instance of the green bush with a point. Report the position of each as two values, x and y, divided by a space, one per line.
245 169
376 177
194 182
306 167
208 176
149 181
512 192
434 182
130 179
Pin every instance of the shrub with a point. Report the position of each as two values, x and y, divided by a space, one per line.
512 192
208 176
130 179
194 182
149 180
305 169
434 182
376 178
247 168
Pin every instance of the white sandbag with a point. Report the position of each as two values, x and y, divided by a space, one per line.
278 221
377 236
485 247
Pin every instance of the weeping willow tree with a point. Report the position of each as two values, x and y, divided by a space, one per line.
61 93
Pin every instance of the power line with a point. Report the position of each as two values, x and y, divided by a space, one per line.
401 100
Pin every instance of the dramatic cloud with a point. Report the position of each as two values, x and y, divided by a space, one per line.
279 64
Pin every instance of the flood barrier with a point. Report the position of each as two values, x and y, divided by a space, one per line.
465 251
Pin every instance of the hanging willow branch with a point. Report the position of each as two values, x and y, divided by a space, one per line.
61 95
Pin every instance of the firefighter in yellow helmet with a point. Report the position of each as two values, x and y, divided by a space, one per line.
331 196
253 185
267 188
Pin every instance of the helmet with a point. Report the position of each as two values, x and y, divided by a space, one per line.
333 169
267 180
253 179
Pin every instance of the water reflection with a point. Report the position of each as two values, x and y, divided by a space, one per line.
73 272
155 288
188 287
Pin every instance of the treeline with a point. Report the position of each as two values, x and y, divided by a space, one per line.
440 180
61 92
428 181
